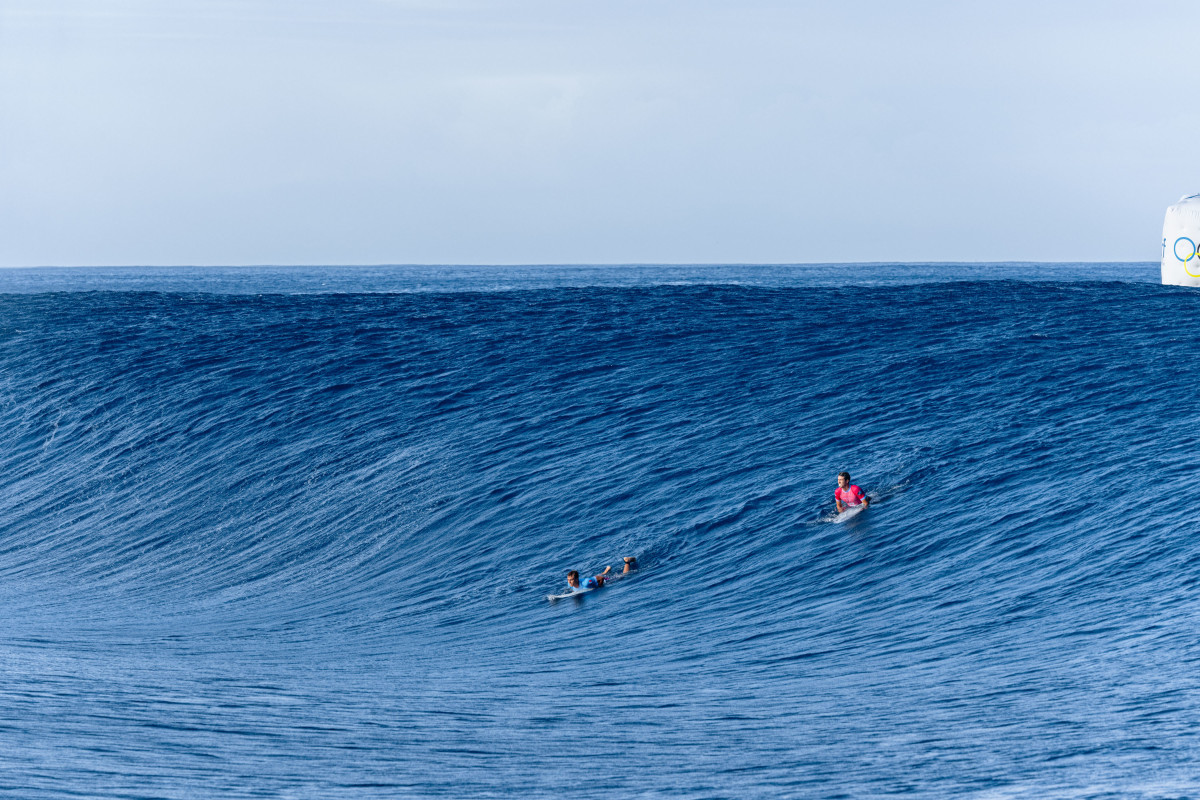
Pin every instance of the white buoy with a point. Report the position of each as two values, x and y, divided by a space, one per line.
1181 243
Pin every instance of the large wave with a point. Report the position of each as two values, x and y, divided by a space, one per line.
399 480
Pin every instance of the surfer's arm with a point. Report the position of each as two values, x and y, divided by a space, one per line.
839 505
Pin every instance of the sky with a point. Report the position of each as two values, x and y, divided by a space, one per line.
231 132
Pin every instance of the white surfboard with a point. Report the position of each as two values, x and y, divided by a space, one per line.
572 593
849 514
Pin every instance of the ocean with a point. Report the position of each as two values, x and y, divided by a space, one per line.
289 532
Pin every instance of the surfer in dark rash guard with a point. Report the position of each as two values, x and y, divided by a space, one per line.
847 494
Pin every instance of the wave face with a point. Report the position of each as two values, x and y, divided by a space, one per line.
299 544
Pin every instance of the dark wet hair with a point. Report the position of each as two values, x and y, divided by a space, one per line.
845 475
573 574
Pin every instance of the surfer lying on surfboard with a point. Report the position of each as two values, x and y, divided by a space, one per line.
847 494
597 581
588 583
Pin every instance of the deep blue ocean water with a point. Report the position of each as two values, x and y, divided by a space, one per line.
289 532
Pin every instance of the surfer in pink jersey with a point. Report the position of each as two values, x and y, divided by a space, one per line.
847 494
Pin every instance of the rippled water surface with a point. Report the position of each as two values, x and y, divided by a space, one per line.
271 532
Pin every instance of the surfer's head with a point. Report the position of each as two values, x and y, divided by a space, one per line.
573 578
844 480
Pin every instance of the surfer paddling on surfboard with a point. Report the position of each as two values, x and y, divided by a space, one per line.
597 581
848 495
576 587
588 583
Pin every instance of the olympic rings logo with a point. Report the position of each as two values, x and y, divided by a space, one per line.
1186 252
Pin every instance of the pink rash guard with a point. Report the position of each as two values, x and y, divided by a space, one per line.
850 497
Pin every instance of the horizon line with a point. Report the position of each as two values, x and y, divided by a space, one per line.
567 264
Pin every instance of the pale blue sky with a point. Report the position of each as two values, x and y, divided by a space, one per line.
521 131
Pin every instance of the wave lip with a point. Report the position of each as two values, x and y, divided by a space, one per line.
505 278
